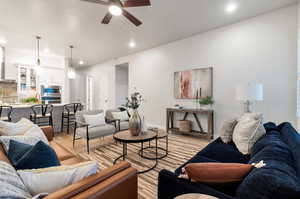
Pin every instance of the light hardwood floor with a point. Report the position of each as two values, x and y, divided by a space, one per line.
181 148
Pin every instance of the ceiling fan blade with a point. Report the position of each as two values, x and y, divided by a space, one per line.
107 18
98 2
136 3
131 18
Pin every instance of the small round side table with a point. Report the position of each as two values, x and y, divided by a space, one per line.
195 196
161 134
125 138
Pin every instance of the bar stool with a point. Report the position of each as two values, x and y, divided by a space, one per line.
8 111
69 111
42 114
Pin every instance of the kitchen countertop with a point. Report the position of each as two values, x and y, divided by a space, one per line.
29 105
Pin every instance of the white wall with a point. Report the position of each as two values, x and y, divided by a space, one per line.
121 84
262 49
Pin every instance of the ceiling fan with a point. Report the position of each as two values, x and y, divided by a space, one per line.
116 8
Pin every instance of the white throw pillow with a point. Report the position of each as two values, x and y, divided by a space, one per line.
11 185
251 116
226 130
121 115
94 120
247 131
32 136
49 180
19 128
36 131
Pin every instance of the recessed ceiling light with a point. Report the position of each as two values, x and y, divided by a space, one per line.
132 44
81 62
3 41
46 50
115 10
232 7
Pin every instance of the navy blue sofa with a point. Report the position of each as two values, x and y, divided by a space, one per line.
279 179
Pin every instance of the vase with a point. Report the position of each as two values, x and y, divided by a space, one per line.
135 123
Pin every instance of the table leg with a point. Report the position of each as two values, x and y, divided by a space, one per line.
124 150
156 149
142 151
167 144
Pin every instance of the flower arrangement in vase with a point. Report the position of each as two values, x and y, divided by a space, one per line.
135 123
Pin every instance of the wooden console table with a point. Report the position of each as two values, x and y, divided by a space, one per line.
210 121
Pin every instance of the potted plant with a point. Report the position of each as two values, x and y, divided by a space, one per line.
135 123
207 101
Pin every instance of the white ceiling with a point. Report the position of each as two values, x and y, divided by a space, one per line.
65 22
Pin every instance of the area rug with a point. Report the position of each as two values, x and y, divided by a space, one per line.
181 149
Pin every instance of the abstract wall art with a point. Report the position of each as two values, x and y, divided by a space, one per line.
193 84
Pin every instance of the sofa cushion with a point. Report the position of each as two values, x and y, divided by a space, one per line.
226 130
120 115
247 131
196 159
38 156
94 120
11 185
61 152
3 156
72 161
17 150
292 138
49 180
97 132
124 125
217 173
221 152
18 128
278 178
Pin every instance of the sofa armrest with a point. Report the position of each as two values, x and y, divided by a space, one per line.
170 186
120 179
49 132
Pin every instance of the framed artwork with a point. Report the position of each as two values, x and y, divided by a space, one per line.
193 84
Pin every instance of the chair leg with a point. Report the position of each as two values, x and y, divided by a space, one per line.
88 145
74 136
68 127
62 124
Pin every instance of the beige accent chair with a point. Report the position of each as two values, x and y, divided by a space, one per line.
121 125
84 130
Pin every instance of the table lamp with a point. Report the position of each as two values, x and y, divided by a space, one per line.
249 93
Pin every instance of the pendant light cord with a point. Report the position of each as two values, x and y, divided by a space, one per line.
71 49
38 50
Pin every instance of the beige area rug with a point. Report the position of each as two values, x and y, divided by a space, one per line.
105 151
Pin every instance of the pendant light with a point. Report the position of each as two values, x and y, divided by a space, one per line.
71 71
38 62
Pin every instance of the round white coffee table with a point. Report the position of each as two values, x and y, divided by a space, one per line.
195 196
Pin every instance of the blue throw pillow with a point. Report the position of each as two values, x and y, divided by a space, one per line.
17 150
292 138
38 156
278 179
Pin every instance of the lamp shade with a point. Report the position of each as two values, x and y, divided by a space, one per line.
250 91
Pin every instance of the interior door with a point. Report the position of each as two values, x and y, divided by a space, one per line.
103 95
89 93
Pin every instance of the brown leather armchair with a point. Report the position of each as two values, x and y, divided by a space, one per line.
117 182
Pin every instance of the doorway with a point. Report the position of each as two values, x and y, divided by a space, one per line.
89 93
122 81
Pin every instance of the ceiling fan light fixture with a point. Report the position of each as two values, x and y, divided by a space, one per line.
231 8
115 10
132 44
